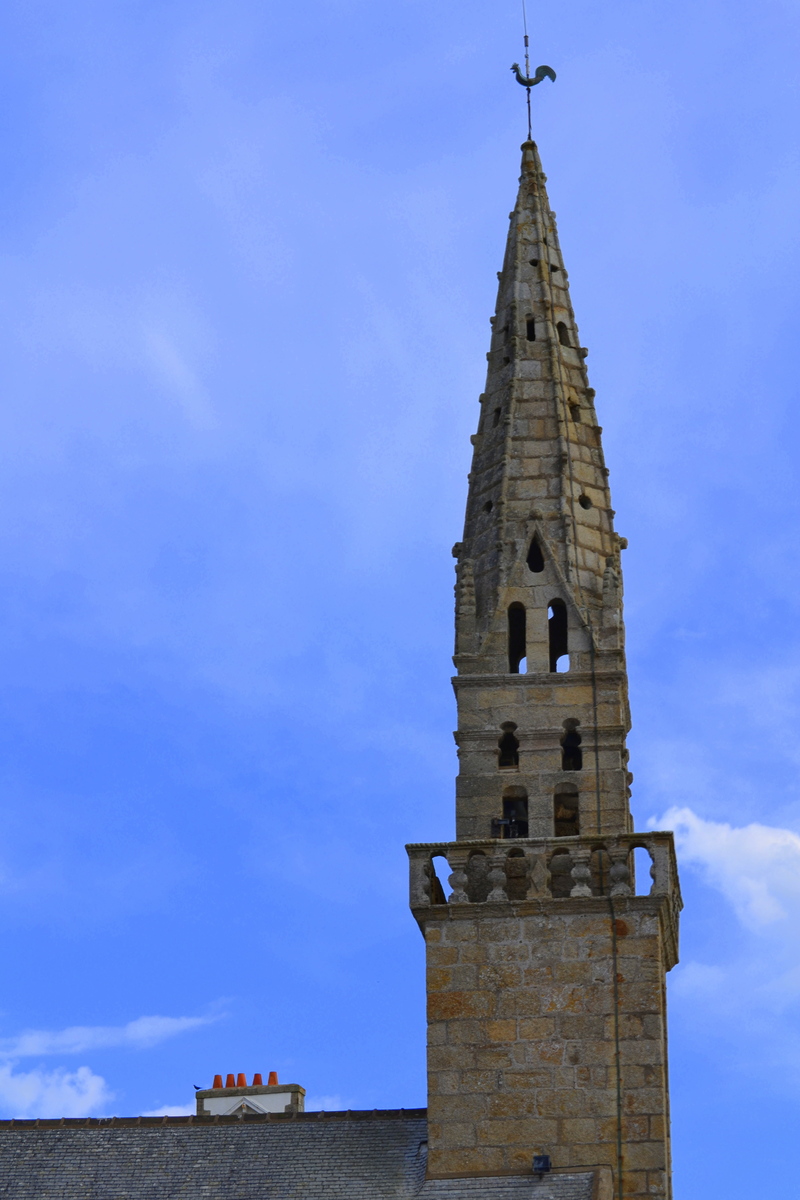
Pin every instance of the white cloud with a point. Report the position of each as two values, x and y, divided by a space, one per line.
56 1093
756 867
325 1104
746 993
172 1110
139 1034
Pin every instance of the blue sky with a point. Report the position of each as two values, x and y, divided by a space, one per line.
248 261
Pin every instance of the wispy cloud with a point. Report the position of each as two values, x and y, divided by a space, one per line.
746 997
172 1110
756 867
325 1104
56 1093
78 1039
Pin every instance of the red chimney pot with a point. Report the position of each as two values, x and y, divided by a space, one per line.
230 1081
272 1080
258 1081
241 1080
217 1081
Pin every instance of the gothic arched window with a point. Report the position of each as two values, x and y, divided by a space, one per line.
563 333
535 559
517 637
557 633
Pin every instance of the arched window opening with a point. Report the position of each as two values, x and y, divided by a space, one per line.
557 635
517 637
566 815
508 748
563 333
530 329
575 413
642 862
514 821
488 506
535 559
571 753
495 418
440 872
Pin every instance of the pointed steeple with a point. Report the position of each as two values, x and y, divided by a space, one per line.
546 962
538 576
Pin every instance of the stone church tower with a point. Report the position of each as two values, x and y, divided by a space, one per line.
546 965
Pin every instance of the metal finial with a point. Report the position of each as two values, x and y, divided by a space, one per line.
526 80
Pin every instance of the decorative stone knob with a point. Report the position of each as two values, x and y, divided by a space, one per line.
581 872
619 874
497 878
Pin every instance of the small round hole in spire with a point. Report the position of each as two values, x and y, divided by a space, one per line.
584 501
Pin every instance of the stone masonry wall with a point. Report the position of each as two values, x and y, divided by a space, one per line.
523 1038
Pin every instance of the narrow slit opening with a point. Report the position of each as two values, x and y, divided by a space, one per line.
558 635
517 637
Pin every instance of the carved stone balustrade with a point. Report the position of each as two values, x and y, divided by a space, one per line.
525 870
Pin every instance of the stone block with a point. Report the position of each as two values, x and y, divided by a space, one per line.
447 1006
501 1031
463 1161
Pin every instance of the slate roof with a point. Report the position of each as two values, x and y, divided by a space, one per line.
309 1156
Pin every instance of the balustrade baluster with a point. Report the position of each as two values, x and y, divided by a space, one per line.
497 878
458 880
619 874
581 871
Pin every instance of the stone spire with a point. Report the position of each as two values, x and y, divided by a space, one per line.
547 1036
539 633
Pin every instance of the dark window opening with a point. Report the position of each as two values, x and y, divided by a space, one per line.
488 506
554 268
535 559
575 413
506 360
566 815
508 747
514 821
530 329
557 632
563 333
496 417
517 637
571 753
584 502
